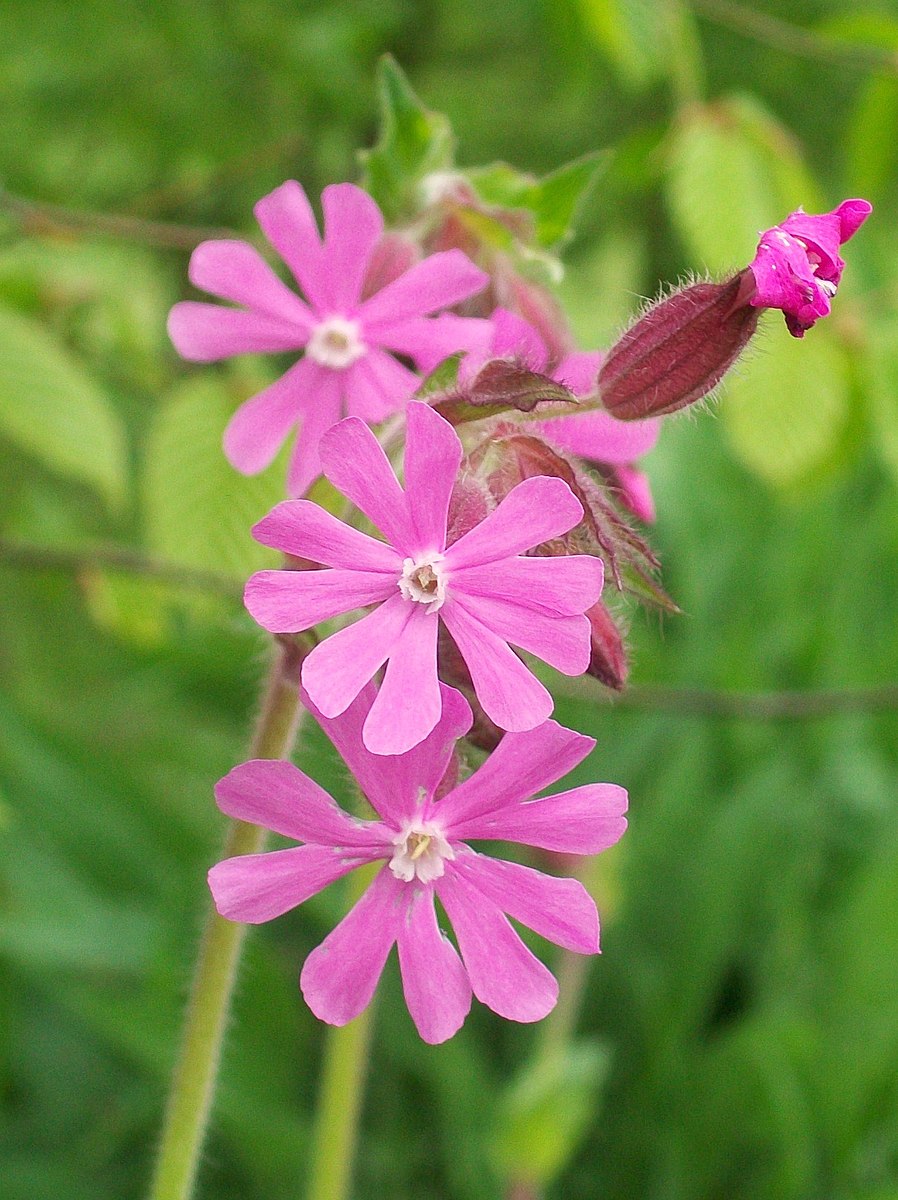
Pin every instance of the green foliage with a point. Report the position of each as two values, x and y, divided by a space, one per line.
553 200
745 1000
198 509
545 1112
786 406
413 144
51 408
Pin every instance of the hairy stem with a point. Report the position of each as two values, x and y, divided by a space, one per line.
340 1099
193 1082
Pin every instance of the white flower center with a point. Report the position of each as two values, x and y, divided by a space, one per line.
424 581
421 851
336 343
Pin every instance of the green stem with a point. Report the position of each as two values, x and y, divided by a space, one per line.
193 1082
340 1098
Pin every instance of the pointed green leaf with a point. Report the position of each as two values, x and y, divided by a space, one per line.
198 509
51 408
786 406
553 200
545 1112
413 143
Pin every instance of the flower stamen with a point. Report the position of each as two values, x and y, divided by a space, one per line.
336 343
424 581
421 851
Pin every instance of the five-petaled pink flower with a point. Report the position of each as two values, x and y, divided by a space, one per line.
797 267
481 587
350 343
423 844
594 435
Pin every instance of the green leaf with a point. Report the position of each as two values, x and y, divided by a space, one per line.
733 171
501 386
553 200
785 407
198 509
51 408
545 1112
413 143
630 34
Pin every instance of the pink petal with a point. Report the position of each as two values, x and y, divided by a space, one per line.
340 666
636 492
352 228
393 784
292 601
307 530
515 337
535 511
579 371
852 214
562 642
434 981
287 220
377 385
262 424
560 910
235 271
433 454
258 887
512 696
322 408
278 796
504 974
520 766
408 704
556 586
208 332
355 463
439 281
429 340
340 975
600 437
585 820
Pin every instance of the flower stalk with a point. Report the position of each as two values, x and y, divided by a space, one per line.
343 1073
196 1072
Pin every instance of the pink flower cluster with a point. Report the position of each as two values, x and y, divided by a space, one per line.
448 571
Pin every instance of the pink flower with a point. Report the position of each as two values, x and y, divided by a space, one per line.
797 267
480 587
350 343
594 435
423 844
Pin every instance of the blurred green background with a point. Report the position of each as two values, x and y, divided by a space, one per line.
741 1029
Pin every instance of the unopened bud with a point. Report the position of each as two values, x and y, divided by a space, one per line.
679 350
608 657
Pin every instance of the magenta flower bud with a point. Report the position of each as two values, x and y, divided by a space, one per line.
679 350
797 267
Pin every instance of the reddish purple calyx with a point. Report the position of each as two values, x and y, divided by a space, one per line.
797 267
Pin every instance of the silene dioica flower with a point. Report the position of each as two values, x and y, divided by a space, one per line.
797 267
350 340
422 840
480 587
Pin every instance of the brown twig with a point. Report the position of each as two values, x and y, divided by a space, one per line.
756 706
38 217
792 39
117 558
646 697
